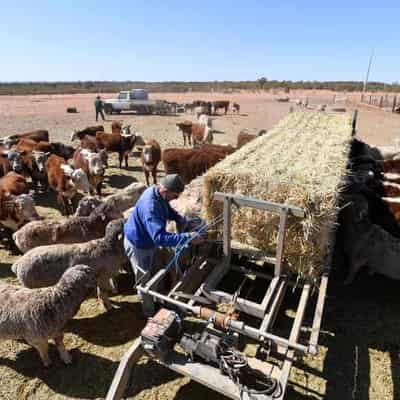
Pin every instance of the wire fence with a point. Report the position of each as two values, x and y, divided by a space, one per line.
381 101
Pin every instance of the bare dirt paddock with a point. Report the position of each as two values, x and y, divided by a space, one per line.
359 353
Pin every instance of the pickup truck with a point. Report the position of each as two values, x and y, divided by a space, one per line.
135 100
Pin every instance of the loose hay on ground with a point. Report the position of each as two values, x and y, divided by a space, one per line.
301 162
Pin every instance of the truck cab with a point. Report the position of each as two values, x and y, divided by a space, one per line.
136 100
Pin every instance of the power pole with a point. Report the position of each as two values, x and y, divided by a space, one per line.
369 68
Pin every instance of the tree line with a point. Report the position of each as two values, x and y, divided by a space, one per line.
23 88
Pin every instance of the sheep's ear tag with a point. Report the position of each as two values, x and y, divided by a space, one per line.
119 236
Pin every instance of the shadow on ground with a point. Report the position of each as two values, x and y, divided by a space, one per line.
88 377
126 318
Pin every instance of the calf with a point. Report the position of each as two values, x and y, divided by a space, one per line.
201 134
118 143
186 128
13 183
5 165
205 120
244 137
65 181
28 145
35 164
16 210
16 160
116 127
93 165
57 148
220 104
62 150
151 156
235 108
39 135
90 130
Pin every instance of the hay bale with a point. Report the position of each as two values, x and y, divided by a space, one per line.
301 162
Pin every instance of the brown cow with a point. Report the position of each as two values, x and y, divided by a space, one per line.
14 183
186 128
90 130
244 137
201 134
391 166
394 205
151 156
65 181
5 165
28 145
190 163
15 211
391 189
220 104
39 135
94 167
236 108
118 143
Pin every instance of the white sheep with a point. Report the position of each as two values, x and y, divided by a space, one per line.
120 201
44 265
37 315
71 230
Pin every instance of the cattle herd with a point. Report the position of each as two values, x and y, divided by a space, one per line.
63 260
68 257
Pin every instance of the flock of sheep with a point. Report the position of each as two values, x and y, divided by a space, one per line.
64 260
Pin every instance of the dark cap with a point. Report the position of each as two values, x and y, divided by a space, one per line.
173 182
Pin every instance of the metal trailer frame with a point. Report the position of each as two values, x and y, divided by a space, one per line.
266 311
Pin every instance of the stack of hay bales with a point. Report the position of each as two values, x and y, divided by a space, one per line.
301 162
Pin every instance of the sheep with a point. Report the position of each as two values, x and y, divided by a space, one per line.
71 230
120 201
44 265
37 315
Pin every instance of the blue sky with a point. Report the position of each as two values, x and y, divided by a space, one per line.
198 40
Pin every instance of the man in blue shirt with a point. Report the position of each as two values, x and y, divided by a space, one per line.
145 230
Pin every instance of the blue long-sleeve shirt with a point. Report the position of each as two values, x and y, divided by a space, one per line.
146 225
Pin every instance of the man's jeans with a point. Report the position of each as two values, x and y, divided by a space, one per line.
142 263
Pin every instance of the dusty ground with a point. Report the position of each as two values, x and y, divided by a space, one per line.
359 357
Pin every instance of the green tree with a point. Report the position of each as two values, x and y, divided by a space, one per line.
262 81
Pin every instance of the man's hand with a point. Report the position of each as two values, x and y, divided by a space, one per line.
195 238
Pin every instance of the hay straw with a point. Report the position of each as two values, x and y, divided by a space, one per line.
301 162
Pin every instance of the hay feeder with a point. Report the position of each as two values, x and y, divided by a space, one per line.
269 256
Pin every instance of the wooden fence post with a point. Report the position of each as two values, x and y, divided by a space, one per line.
394 103
354 123
381 102
362 98
370 99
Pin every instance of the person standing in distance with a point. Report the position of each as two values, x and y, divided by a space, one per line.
98 106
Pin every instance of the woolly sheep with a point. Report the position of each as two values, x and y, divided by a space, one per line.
37 315
121 200
71 230
44 265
